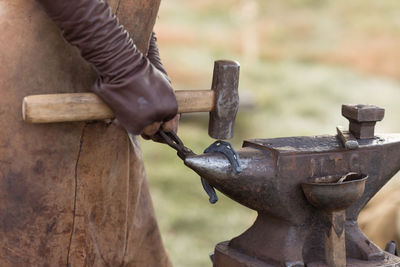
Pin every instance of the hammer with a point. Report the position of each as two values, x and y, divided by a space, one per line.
222 101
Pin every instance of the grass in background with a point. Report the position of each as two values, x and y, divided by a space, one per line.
300 60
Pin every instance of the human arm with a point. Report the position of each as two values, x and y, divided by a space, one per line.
134 86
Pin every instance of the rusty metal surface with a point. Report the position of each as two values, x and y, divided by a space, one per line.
225 85
288 228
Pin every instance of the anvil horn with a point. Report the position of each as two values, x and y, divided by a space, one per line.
244 187
214 167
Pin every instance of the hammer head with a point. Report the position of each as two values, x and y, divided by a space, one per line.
226 99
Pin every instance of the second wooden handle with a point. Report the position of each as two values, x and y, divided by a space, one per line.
88 106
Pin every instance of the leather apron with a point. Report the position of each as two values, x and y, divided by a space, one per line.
71 194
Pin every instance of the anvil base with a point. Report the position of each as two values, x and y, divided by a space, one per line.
226 256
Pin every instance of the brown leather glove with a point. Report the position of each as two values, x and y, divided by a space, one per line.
135 88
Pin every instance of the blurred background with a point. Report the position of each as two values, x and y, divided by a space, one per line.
300 60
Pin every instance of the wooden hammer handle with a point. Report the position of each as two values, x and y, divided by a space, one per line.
88 106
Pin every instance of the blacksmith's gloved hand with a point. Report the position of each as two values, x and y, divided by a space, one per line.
135 88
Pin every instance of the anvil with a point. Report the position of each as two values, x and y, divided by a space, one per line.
289 231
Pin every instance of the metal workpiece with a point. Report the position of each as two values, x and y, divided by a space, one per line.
225 86
229 152
289 230
363 119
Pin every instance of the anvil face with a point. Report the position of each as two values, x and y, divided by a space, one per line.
288 230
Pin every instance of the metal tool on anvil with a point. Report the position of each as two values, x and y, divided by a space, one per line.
299 226
222 101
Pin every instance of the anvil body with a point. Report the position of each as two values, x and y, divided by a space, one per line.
288 230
